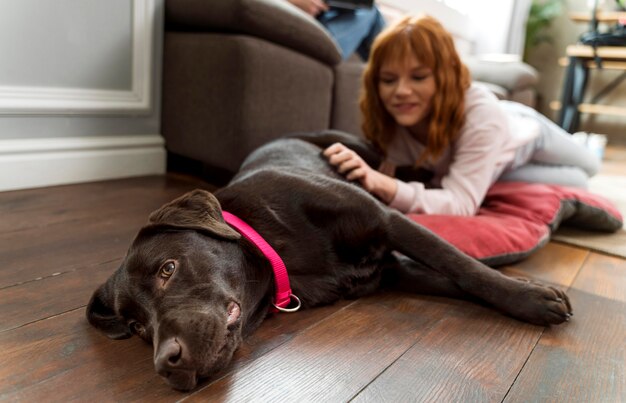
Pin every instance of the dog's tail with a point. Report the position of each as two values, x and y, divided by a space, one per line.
326 138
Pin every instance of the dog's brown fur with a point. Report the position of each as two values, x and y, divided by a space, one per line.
194 287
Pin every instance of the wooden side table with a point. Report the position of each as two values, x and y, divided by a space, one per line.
581 59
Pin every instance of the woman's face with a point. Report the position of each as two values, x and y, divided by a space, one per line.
406 89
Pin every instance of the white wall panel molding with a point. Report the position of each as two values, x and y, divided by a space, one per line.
30 100
30 163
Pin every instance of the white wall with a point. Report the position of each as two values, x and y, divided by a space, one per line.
497 26
479 27
79 90
491 22
454 21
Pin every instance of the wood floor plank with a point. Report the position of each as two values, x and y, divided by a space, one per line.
336 358
474 354
585 360
64 359
94 238
555 263
471 355
39 253
41 299
278 329
36 208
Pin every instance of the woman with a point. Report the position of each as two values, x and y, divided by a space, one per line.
420 109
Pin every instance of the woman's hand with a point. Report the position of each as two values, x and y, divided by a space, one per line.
312 7
349 164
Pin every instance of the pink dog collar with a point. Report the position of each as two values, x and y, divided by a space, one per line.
281 278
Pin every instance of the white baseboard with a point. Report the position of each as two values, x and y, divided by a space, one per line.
31 163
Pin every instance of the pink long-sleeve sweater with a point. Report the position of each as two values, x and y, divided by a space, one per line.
485 147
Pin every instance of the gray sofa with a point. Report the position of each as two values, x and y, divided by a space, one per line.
238 73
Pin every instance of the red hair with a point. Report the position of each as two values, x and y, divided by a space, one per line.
426 39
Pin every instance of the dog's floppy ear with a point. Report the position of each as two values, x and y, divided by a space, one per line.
197 210
102 315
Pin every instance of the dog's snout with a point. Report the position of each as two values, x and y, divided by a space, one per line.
172 363
169 355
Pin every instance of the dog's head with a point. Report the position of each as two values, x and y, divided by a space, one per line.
178 287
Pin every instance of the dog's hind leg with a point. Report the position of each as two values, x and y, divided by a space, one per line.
405 274
531 302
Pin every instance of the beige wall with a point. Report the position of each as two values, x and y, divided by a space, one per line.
545 58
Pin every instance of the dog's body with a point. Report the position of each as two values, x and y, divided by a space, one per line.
194 287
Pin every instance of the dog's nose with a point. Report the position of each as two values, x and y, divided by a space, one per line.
169 355
172 362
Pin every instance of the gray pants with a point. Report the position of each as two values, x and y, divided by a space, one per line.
554 157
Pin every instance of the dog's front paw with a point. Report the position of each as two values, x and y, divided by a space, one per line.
538 304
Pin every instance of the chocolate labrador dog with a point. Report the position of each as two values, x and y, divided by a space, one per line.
193 286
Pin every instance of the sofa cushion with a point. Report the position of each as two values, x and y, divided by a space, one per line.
513 76
276 21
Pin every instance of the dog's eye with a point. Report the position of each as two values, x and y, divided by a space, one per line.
137 328
167 269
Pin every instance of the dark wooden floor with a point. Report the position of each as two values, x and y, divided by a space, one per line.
58 244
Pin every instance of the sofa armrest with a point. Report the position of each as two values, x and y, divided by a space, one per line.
346 115
276 21
513 76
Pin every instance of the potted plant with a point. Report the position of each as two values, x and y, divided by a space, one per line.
540 17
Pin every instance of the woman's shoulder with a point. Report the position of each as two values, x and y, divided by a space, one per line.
479 94
481 105
485 121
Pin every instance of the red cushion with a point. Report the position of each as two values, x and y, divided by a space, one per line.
516 218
